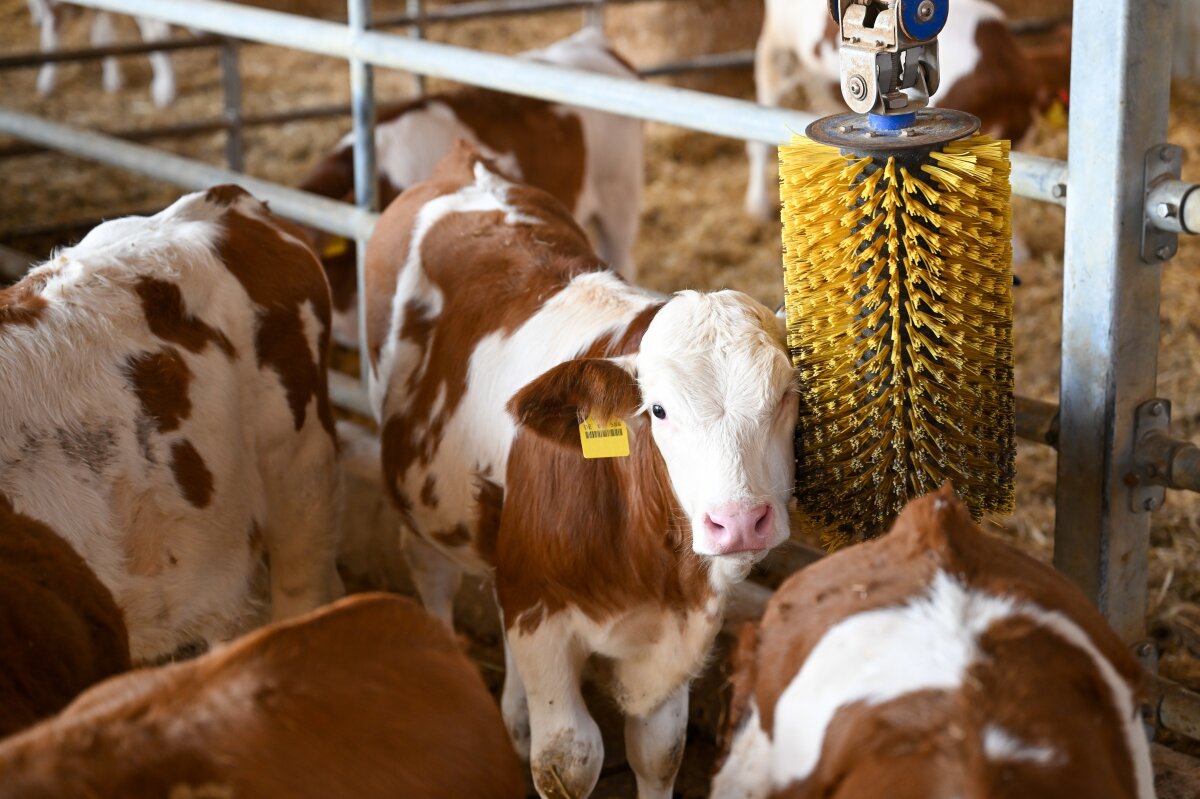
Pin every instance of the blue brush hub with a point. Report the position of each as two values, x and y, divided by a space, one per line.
910 19
891 123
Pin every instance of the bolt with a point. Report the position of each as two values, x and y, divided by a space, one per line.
1151 470
1144 650
1163 253
1151 504
908 132
1058 191
870 134
857 87
1157 408
925 10
1164 155
843 128
1165 210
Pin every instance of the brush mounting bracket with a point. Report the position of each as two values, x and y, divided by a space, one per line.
889 53
928 129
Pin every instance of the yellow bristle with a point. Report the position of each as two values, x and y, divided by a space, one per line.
898 286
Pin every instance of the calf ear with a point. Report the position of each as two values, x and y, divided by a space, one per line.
556 402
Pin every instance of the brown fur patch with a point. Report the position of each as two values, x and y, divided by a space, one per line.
489 497
456 536
493 277
429 492
61 629
162 303
281 276
1001 90
225 195
22 304
194 479
160 380
365 673
555 403
602 535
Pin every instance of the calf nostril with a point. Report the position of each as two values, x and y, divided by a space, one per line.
764 519
712 523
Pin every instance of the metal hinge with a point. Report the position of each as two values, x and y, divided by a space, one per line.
1147 489
1164 162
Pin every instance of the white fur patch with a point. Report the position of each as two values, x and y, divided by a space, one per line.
747 770
1001 745
928 644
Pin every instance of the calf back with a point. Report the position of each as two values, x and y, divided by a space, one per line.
367 698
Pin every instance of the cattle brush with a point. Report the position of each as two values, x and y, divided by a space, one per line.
898 286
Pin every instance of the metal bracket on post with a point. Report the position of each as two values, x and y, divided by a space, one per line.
1147 490
1164 162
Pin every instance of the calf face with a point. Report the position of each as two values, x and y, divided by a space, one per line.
935 662
713 385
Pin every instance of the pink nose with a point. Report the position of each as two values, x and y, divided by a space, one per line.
740 528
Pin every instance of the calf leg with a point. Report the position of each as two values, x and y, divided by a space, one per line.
514 704
435 575
654 745
103 34
770 65
566 748
49 18
162 87
301 531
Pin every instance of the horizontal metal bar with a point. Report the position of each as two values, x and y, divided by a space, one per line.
1032 176
37 58
1037 421
1174 206
734 60
199 127
1176 461
489 8
308 209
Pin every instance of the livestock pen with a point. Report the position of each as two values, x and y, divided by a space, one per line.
1104 524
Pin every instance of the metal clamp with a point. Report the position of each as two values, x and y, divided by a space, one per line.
1147 481
889 53
1164 165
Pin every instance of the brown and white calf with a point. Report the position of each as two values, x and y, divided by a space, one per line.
61 630
368 698
49 16
163 408
936 662
983 71
494 330
590 161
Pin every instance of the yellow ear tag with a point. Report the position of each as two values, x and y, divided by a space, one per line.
336 246
1056 115
604 440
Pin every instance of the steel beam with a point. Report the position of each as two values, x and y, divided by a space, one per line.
1032 177
1120 83
308 209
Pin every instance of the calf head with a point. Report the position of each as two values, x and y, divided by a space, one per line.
713 386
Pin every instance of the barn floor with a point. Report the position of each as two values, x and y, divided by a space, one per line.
694 235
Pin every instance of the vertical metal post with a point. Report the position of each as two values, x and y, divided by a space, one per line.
593 15
416 10
366 185
1120 83
231 85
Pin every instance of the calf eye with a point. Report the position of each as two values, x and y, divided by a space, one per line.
658 412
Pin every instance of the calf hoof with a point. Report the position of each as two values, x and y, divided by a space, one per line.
568 767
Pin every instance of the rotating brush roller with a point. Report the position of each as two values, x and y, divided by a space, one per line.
898 286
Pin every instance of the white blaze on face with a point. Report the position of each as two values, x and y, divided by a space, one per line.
719 387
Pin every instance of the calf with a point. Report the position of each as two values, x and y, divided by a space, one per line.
485 295
983 71
590 161
369 698
935 662
49 15
61 630
164 410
